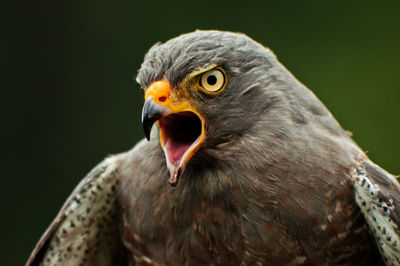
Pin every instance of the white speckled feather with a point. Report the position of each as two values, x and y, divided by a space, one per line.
377 210
84 232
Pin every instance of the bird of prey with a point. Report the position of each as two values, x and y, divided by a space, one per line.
242 165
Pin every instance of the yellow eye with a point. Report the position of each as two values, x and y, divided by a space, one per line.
213 81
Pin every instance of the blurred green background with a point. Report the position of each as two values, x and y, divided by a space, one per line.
70 98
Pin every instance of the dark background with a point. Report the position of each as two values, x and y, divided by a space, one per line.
70 98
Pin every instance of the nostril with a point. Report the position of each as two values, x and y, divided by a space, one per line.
162 99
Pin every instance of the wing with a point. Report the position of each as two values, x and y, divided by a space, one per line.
377 193
85 231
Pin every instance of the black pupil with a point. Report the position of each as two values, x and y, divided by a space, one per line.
212 80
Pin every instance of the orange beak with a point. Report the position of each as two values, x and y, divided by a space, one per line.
181 126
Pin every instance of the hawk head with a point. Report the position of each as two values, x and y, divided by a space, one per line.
210 88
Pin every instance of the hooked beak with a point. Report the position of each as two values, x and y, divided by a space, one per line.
151 112
181 126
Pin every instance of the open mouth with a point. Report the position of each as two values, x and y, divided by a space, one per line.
180 134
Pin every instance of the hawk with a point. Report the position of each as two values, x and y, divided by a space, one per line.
245 166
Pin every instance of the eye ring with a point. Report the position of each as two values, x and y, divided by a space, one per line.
213 81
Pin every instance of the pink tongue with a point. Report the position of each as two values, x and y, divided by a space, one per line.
175 150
